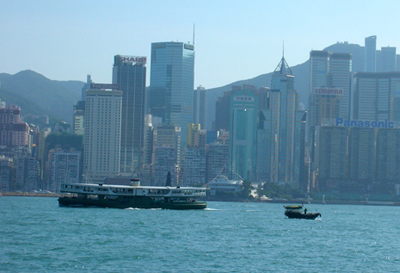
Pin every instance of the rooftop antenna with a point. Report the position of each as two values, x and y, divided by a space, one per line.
283 49
194 32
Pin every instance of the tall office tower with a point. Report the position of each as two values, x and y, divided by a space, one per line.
362 154
129 73
166 153
370 54
217 155
200 107
222 110
388 59
102 134
329 91
279 131
13 131
387 155
172 84
243 135
86 86
331 70
64 168
340 67
331 154
374 93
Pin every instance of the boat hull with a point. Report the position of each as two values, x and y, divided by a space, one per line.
142 202
298 215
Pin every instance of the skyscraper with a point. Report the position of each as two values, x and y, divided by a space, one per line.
200 107
329 90
129 72
243 135
375 95
370 54
340 67
280 148
102 134
388 59
172 84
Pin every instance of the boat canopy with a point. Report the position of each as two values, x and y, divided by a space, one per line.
293 207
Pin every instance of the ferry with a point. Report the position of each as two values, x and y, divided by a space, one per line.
133 196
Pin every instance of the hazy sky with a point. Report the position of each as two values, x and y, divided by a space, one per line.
235 40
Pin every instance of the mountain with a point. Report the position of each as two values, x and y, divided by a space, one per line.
37 95
300 73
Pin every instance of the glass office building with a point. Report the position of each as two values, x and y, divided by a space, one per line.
129 72
172 84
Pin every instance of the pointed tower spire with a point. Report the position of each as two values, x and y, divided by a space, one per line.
283 67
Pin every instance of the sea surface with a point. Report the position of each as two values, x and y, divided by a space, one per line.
36 235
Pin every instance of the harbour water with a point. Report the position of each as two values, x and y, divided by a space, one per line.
39 236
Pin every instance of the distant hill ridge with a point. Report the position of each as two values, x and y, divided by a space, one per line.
38 95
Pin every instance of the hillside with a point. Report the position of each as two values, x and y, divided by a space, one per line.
35 93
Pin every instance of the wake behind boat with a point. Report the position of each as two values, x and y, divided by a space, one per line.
296 212
134 196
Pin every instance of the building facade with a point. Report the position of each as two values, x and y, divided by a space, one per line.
388 59
129 73
370 54
102 139
200 106
243 135
13 132
194 166
375 96
64 168
166 154
279 135
172 84
217 162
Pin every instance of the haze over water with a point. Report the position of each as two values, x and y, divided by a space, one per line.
39 236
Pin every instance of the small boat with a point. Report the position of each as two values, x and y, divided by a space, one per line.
296 212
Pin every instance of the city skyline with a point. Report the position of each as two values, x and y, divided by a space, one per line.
222 41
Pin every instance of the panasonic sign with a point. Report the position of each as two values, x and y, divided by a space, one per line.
365 124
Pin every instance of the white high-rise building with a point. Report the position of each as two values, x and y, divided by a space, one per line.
102 134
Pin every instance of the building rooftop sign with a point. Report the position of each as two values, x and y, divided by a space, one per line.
120 59
104 86
328 91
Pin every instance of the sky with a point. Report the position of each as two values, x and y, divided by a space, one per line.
234 40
